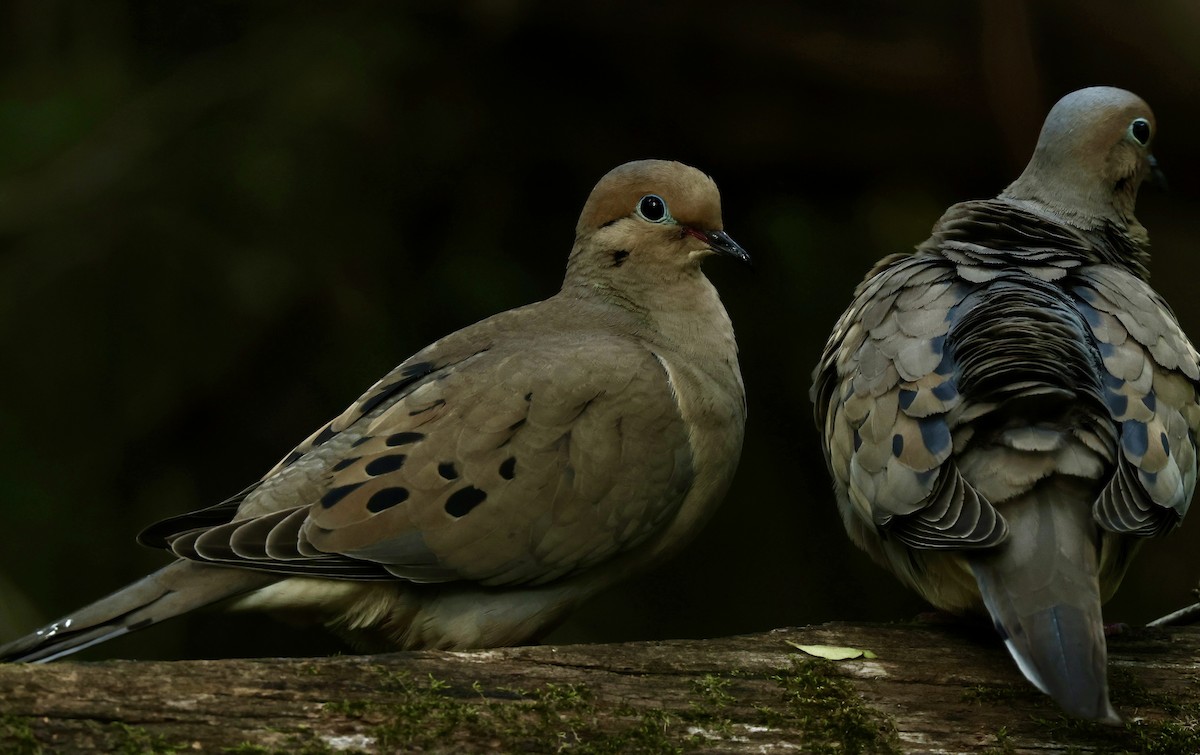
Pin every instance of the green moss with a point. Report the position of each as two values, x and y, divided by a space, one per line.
1132 738
986 695
824 706
122 738
1003 746
1128 692
16 736
417 714
410 713
650 733
1178 736
714 690
1167 738
295 745
1161 737
561 696
707 711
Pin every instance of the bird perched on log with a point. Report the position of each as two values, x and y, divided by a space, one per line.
503 474
1011 410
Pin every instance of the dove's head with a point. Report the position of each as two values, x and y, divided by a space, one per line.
1091 157
649 220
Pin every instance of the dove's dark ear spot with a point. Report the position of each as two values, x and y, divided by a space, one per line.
1140 131
618 257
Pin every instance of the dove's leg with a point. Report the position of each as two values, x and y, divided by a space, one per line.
170 591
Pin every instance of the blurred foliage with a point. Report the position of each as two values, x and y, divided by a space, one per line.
220 221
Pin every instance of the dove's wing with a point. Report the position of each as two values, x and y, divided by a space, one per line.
1150 373
518 460
884 392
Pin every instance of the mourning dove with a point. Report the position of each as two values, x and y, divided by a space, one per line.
1010 410
495 479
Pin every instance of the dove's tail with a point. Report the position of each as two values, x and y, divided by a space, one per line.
170 591
1042 591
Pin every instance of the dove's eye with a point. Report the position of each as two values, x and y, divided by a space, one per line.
1140 130
653 208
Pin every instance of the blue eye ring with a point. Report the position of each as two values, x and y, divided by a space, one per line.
653 208
1140 131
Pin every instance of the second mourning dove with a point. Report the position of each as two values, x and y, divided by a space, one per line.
501 475
1009 411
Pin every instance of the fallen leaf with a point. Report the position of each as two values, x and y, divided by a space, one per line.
832 652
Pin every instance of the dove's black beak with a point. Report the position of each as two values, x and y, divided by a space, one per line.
1158 179
719 242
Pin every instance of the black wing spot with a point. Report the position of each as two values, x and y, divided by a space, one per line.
431 407
338 493
512 432
387 498
385 464
291 458
460 502
403 439
324 436
417 369
408 376
447 470
345 463
508 468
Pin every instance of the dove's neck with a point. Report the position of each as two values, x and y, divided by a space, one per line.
1084 185
690 318
1084 211
680 315
1110 238
1075 194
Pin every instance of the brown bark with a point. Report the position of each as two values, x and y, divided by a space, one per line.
930 688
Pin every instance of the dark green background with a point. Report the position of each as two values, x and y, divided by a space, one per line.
221 221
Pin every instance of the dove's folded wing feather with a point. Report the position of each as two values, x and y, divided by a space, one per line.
885 391
1151 375
508 465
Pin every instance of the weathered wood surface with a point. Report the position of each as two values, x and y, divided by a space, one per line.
931 689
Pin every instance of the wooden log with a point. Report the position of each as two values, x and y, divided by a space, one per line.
927 689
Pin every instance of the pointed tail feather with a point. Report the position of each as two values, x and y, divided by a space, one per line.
1042 591
170 591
